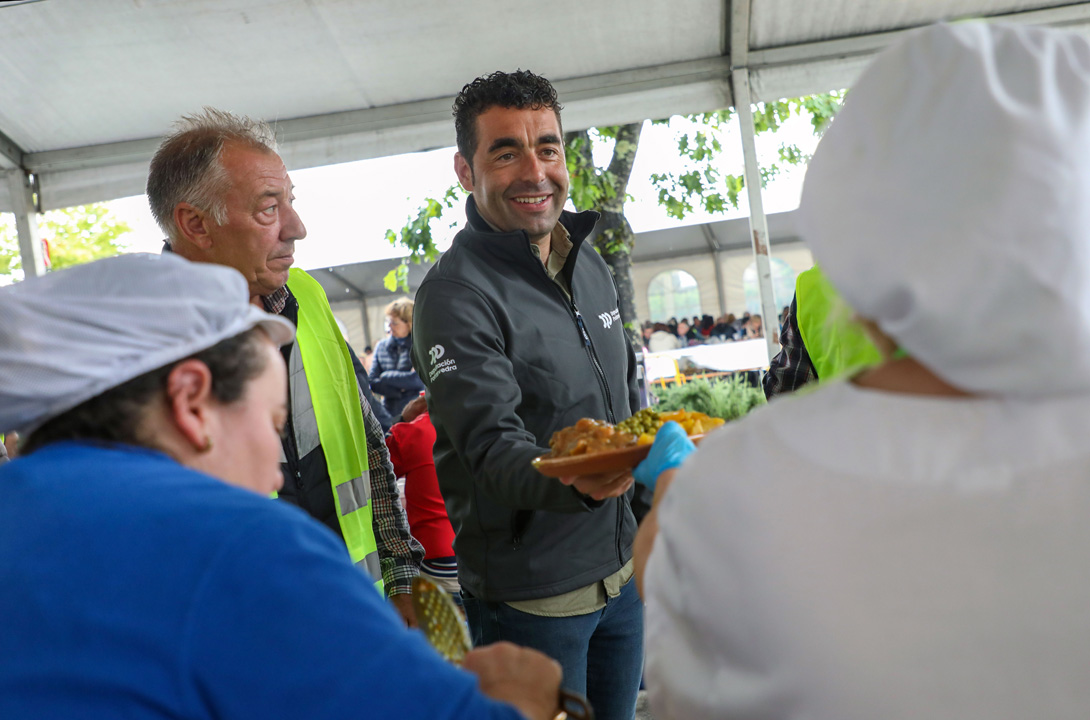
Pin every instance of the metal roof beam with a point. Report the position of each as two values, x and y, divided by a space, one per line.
11 155
710 238
674 253
390 117
629 82
91 156
346 282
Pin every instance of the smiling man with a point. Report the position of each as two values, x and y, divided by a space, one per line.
221 193
515 336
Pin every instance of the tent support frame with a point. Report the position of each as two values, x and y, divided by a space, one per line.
758 223
21 186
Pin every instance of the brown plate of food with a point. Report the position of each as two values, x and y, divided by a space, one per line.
591 447
592 463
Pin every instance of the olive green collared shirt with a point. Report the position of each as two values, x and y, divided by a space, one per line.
560 246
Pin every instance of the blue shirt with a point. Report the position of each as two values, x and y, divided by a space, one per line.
133 587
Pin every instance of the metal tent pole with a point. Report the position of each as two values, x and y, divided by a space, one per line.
758 223
26 223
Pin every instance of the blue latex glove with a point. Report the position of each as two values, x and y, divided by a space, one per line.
669 450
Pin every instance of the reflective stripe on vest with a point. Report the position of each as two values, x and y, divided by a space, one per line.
328 407
836 344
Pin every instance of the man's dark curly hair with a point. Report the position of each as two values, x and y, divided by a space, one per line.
521 90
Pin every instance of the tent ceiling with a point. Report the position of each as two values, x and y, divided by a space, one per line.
86 88
792 22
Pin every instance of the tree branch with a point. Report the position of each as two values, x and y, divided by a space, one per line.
584 149
620 167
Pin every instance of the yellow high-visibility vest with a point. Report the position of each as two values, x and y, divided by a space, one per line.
331 381
836 344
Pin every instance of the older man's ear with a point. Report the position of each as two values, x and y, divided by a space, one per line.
193 224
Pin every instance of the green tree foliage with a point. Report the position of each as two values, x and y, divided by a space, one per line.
75 235
703 183
416 236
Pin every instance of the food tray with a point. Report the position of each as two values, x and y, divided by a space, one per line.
607 461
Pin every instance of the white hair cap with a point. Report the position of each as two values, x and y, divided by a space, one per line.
950 202
71 335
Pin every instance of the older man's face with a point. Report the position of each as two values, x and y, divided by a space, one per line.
258 237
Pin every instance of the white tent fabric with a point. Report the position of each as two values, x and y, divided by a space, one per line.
86 88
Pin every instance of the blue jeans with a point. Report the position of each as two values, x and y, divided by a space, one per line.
601 653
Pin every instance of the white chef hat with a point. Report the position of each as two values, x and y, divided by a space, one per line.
950 202
71 335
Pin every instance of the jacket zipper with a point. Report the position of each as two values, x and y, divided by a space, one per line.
602 384
606 396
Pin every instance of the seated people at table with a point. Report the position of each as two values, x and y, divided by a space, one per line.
706 325
662 339
752 329
911 542
687 335
724 327
144 571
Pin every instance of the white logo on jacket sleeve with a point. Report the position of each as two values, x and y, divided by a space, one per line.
608 318
438 368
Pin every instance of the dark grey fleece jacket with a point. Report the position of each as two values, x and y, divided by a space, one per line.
508 359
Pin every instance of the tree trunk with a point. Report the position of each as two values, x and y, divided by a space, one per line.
616 240
618 255
613 236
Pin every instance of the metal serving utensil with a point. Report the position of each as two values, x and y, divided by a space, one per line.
445 630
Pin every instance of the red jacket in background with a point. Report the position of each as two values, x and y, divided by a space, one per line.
410 445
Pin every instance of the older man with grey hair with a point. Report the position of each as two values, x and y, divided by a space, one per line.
221 193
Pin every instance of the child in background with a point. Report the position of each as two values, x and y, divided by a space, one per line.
410 443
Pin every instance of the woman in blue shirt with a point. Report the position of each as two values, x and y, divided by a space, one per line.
143 571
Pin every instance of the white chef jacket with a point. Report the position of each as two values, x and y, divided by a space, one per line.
853 554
